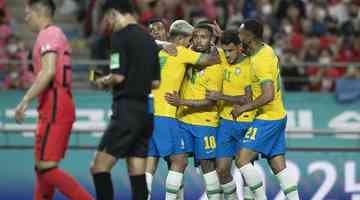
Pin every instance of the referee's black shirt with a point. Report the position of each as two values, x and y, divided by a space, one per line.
135 55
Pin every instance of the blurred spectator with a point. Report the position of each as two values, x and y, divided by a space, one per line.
5 33
18 75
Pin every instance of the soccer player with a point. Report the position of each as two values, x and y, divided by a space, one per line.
166 140
52 87
235 90
157 29
198 115
135 70
267 133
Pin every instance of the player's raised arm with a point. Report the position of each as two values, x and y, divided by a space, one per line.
45 76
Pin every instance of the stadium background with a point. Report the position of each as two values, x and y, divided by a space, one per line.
322 95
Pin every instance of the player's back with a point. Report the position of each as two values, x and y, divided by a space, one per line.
55 103
172 74
265 67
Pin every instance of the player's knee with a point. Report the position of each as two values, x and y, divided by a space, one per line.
223 172
44 165
207 165
179 163
240 162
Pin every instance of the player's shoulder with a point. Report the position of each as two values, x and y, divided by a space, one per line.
52 31
265 51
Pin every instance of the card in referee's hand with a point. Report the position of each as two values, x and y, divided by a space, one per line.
94 74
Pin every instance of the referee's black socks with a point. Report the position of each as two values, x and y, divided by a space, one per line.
138 187
103 186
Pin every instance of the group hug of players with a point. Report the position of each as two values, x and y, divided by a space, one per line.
219 99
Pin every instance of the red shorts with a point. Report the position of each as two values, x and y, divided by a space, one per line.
51 141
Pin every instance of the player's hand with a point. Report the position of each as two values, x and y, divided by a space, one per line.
213 95
173 99
237 111
20 111
170 49
101 83
217 30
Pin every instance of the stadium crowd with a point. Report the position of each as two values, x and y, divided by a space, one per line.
318 31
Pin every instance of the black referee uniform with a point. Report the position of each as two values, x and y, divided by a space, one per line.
134 54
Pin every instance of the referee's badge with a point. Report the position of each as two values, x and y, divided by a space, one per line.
237 71
115 61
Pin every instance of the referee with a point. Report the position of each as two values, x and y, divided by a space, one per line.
134 71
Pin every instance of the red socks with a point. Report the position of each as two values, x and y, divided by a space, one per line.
65 183
43 190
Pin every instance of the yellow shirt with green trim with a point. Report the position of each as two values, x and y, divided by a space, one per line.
194 87
265 67
236 79
172 74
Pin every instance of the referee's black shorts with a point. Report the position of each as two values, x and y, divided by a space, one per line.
129 130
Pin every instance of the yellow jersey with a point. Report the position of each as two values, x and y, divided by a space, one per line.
172 74
236 79
265 67
194 87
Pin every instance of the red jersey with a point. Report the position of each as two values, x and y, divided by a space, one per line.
55 104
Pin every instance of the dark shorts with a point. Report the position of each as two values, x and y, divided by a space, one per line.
129 130
51 140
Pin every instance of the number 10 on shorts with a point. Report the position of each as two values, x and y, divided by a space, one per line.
209 142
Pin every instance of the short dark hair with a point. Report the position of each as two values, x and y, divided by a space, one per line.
254 26
230 36
205 25
122 6
153 20
49 4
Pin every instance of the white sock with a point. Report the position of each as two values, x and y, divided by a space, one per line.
173 184
212 183
248 194
149 179
254 181
180 194
288 184
230 190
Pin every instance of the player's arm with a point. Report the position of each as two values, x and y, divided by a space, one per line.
188 56
45 76
267 95
240 99
208 59
175 100
156 73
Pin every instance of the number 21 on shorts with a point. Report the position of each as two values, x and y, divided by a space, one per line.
251 133
209 142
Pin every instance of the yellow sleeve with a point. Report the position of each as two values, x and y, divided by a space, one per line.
215 78
188 56
265 69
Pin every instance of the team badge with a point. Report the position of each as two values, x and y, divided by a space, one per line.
202 72
45 48
237 71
